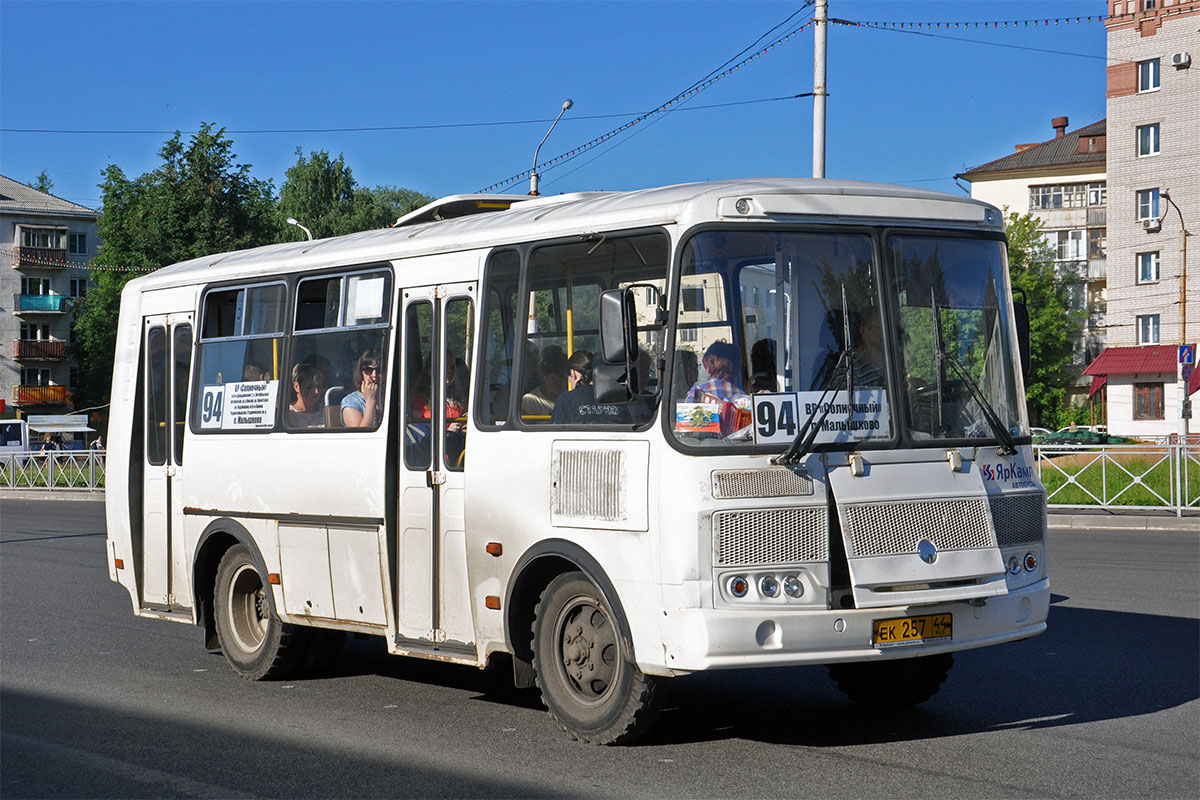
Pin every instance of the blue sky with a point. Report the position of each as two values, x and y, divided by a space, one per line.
910 107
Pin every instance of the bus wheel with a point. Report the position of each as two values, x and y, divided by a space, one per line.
583 667
892 684
255 643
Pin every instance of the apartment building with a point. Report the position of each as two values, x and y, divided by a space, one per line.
1153 105
44 243
1062 181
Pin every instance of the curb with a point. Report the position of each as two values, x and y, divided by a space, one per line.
1122 523
93 495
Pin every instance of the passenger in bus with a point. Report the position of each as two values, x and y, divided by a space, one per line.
307 409
721 362
579 405
362 408
253 373
762 367
538 404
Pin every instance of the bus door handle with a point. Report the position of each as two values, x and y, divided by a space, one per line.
434 478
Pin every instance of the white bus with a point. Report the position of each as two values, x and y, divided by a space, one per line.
617 436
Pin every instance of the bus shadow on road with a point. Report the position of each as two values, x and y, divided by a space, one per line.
1090 665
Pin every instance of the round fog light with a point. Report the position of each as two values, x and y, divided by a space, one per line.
742 206
769 586
1030 562
1014 565
738 586
792 586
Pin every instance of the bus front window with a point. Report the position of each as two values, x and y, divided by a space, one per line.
955 333
771 327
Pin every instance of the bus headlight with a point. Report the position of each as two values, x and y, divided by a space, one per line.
738 586
1014 565
769 586
1030 562
792 586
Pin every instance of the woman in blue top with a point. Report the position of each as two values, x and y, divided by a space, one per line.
361 408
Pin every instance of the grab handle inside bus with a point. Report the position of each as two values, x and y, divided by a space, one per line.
1021 317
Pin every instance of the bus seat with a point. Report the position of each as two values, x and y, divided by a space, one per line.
333 406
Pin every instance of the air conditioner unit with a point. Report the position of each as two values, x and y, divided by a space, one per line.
1181 60
1151 225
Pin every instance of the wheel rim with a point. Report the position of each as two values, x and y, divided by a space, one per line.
588 653
249 609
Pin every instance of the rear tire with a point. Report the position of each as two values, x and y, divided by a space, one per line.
253 639
584 667
892 684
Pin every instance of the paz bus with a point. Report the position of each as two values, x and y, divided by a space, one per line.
608 437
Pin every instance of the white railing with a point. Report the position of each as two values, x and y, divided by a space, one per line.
56 470
1153 476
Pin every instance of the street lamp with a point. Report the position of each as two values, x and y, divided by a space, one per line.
1184 403
533 176
307 232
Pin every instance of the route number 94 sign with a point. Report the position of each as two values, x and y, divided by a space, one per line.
779 417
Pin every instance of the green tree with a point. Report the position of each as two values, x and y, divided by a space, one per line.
196 202
320 192
43 183
1051 319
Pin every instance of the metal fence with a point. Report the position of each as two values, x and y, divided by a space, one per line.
1123 476
61 469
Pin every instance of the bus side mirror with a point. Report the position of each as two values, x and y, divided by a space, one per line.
1021 316
618 325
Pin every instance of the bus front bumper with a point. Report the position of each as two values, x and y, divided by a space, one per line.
707 638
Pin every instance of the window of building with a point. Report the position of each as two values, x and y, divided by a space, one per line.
1069 195
1097 242
41 237
1148 401
77 244
1147 140
1148 75
1097 193
1147 267
1147 204
1148 329
1149 5
78 287
1068 245
34 376
34 331
35 286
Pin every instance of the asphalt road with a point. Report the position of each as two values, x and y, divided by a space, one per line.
97 703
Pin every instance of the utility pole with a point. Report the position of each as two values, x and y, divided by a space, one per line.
820 31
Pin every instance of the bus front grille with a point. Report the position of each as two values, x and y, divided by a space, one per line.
770 536
885 529
772 482
1019 518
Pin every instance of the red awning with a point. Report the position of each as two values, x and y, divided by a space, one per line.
1151 358
1098 382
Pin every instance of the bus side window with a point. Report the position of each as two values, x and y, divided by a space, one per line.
456 372
499 339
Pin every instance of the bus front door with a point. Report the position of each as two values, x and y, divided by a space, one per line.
433 604
167 350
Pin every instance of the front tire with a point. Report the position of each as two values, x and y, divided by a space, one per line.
253 639
892 684
584 667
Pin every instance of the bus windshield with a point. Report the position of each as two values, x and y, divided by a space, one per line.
778 329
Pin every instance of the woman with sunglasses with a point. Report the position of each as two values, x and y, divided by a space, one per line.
361 408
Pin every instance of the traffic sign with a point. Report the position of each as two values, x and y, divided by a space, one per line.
1187 354
1185 372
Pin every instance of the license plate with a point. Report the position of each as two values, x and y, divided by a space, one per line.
911 630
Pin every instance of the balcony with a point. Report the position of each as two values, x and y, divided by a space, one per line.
39 350
1097 268
41 257
41 396
40 304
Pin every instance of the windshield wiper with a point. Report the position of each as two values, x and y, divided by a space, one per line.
803 442
1008 445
